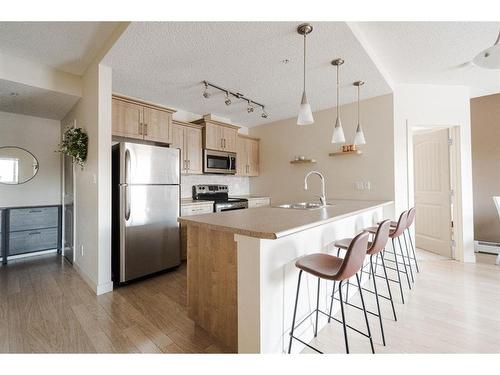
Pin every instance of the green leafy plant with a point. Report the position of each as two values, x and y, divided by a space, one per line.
75 144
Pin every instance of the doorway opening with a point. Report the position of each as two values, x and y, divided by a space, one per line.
435 181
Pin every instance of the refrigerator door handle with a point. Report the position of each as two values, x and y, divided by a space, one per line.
127 181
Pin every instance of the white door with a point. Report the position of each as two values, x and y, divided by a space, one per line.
431 158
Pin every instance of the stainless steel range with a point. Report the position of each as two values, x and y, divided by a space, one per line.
218 194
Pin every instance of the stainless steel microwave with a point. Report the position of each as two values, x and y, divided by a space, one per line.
219 162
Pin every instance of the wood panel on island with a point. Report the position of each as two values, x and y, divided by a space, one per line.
132 118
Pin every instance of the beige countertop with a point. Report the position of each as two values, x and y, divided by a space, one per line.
274 222
191 202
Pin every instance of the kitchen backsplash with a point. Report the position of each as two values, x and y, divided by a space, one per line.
237 185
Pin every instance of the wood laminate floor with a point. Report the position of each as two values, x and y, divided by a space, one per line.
45 307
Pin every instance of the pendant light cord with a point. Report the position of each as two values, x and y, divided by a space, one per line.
304 62
359 87
338 92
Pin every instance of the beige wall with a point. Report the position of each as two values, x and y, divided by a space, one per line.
485 118
41 137
282 140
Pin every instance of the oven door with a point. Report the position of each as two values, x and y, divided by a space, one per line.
219 162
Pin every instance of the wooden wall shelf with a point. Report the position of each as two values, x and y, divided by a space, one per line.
357 152
306 161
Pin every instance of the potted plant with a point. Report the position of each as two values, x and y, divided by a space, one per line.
75 144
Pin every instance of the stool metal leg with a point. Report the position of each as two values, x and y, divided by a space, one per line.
376 298
413 249
343 318
366 315
397 271
294 313
409 259
331 302
404 262
388 287
317 309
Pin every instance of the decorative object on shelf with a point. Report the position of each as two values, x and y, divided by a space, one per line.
338 131
75 144
250 103
347 148
303 161
359 137
305 116
490 57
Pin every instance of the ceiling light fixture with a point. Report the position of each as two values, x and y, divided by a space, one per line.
338 131
490 57
359 137
305 116
249 107
206 94
227 101
264 113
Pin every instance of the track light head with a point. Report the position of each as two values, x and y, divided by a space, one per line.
264 113
250 108
206 94
227 101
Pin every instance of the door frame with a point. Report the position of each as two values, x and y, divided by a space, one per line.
457 247
63 192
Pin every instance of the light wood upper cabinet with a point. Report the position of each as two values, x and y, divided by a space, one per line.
127 119
218 135
188 138
141 120
247 160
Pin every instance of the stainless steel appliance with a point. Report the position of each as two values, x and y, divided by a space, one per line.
146 205
219 162
219 194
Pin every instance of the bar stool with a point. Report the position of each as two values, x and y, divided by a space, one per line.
395 233
374 248
409 222
329 267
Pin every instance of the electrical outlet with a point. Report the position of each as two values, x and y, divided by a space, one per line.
81 250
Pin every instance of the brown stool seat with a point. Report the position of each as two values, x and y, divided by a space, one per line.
322 265
393 223
373 230
345 242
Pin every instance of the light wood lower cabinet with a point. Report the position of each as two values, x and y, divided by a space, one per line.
259 202
141 120
247 160
188 138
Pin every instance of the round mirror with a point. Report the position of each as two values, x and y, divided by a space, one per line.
17 165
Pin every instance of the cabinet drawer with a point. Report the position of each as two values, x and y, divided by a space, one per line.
33 218
196 210
32 240
260 202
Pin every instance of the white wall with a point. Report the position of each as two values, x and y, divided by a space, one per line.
41 137
282 140
93 182
428 106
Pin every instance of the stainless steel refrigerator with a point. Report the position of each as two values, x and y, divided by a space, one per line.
146 205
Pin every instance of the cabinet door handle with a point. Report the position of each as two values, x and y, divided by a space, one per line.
140 128
145 129
189 164
33 233
32 211
224 142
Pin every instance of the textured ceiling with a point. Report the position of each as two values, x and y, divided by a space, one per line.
67 46
434 52
165 62
34 101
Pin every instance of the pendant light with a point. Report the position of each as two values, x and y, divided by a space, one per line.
490 57
338 131
305 116
359 137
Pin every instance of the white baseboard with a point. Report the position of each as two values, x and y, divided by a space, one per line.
98 289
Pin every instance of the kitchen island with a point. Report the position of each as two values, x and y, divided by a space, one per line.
241 273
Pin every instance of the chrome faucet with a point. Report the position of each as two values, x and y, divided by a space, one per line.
322 197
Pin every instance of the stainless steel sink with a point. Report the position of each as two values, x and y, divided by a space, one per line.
303 206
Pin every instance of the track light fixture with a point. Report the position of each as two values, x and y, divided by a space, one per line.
251 104
206 94
227 101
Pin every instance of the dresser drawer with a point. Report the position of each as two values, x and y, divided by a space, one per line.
197 209
33 218
32 240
